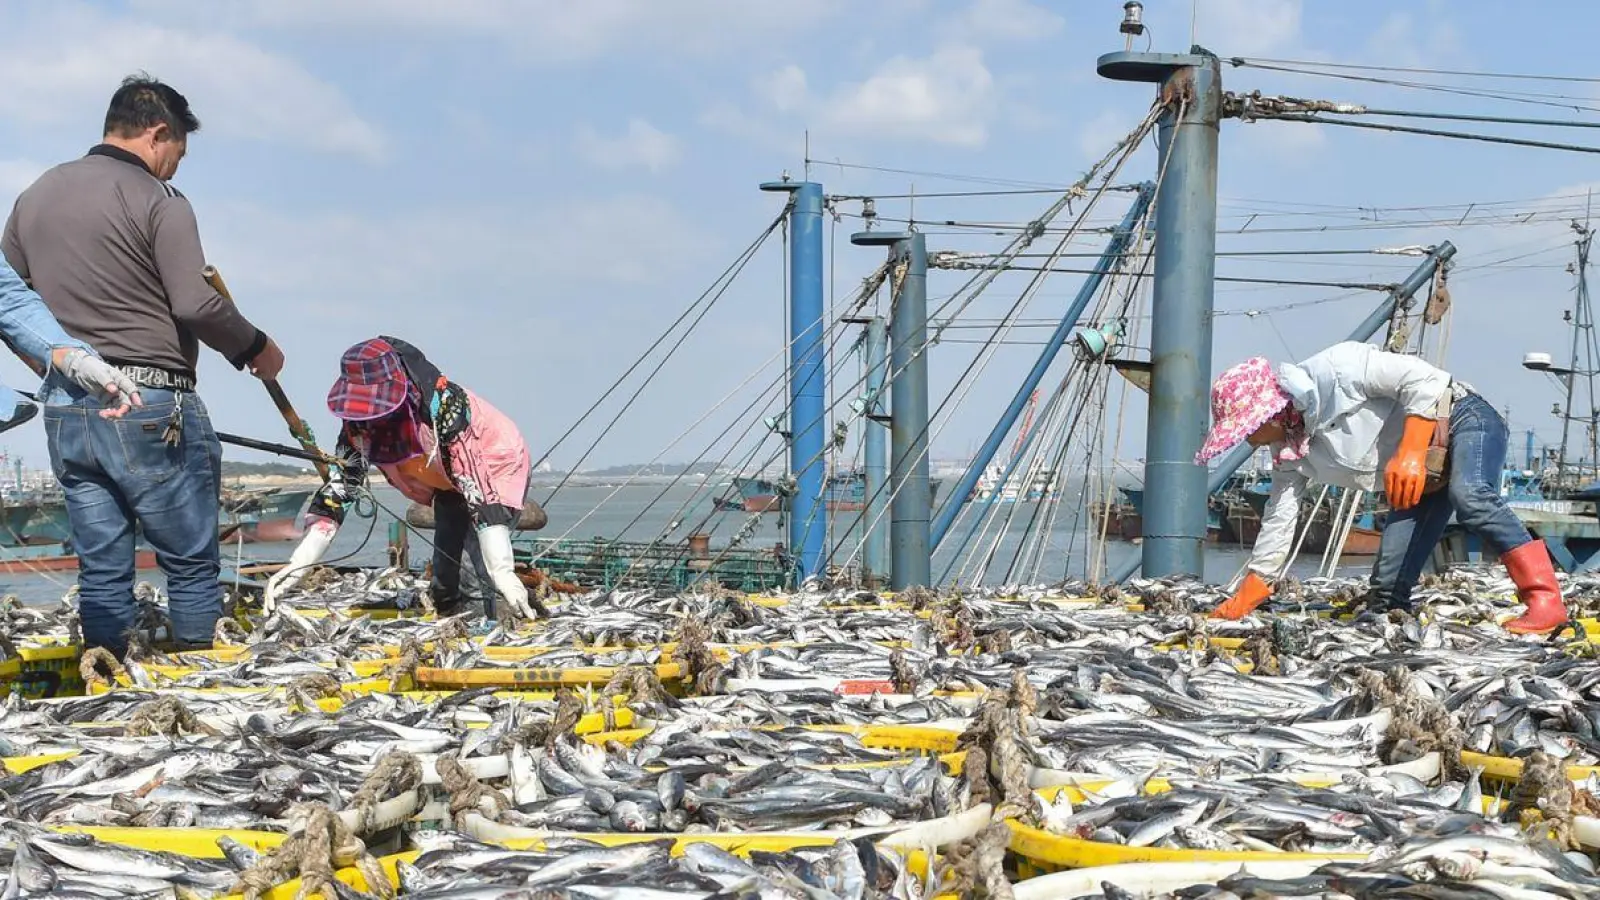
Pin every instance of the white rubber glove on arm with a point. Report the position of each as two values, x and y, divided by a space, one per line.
495 543
310 552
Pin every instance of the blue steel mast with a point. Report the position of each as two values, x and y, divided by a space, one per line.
808 517
875 547
910 501
1182 300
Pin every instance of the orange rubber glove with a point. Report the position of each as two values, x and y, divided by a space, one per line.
1252 593
1408 471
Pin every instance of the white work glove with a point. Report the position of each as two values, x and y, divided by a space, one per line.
308 554
495 544
100 378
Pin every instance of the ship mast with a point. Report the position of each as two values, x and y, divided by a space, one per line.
1581 316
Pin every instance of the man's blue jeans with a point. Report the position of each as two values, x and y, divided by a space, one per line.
117 472
1477 455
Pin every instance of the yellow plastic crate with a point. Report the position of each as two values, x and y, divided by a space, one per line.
43 670
670 675
916 740
1039 852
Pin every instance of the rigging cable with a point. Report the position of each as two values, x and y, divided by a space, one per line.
725 279
1429 132
1123 150
1559 101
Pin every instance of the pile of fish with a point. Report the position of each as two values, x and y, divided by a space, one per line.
848 727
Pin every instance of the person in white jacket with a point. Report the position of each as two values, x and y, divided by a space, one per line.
1351 414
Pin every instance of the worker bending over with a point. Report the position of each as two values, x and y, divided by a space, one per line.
1354 411
440 445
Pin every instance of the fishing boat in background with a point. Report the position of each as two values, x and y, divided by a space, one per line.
843 492
264 515
36 535
1033 484
1040 486
1234 516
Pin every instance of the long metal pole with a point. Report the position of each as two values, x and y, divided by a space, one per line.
910 503
1233 459
1116 248
875 549
1183 295
808 524
910 500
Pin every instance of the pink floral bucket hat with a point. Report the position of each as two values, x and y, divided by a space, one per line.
1243 399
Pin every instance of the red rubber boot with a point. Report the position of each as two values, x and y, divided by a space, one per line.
1529 566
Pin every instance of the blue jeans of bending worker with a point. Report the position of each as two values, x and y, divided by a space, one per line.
120 472
1477 454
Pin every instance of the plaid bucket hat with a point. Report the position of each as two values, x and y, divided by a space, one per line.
1243 399
372 382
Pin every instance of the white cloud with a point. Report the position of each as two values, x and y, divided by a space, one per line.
949 97
1005 20
1247 27
542 31
785 89
1402 41
946 98
72 58
641 145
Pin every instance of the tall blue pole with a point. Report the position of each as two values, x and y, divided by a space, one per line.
808 523
1529 452
1114 252
875 546
1233 459
910 501
1181 305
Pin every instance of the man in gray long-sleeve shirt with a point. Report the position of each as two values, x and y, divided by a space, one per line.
114 250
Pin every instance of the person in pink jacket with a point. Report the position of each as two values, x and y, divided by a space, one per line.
440 445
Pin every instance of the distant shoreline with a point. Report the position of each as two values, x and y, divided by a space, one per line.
260 482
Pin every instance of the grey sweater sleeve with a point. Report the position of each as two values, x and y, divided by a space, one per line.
175 239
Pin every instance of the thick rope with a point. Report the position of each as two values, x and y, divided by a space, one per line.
700 666
902 673
402 672
637 685
978 865
998 759
89 667
314 854
396 773
1419 724
165 716
1543 798
569 710
305 691
228 633
467 794
918 598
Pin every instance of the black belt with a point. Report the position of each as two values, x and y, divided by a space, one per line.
158 379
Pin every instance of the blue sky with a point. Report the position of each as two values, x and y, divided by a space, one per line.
532 190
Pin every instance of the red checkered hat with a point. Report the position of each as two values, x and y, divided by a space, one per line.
372 382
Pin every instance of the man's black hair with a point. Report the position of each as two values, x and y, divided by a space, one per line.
142 103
